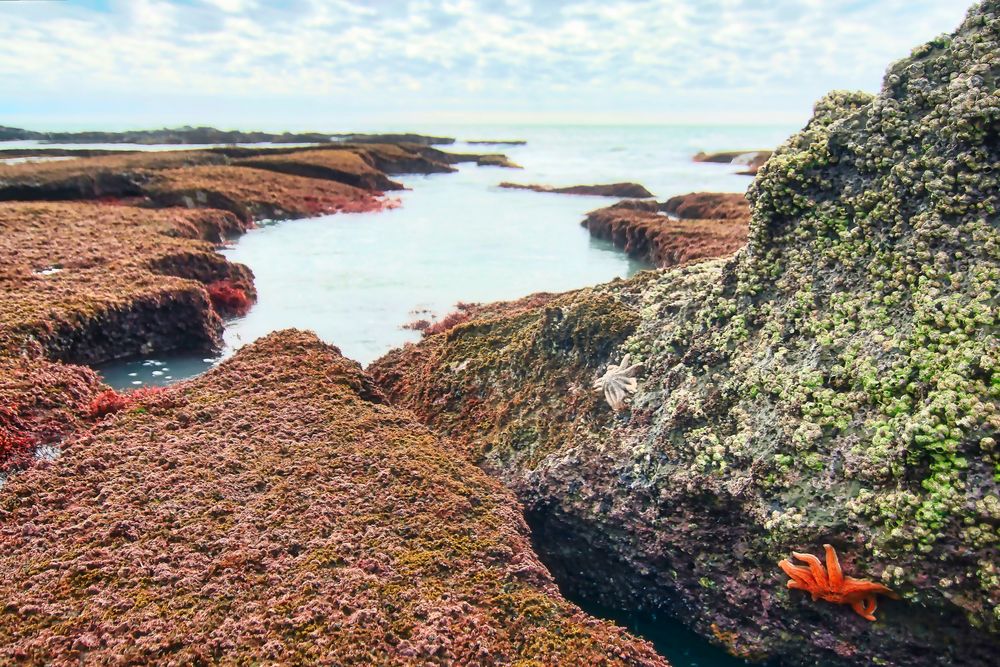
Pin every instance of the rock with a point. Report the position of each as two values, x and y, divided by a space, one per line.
499 142
709 205
407 138
753 160
345 166
496 161
832 383
625 190
86 283
641 229
257 194
291 519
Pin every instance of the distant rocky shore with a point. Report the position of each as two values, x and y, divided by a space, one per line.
626 190
211 135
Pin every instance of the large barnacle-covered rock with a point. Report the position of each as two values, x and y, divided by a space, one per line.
836 382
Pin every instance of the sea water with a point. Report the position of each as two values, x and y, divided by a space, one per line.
358 279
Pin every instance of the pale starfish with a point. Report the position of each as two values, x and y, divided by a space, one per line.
618 382
831 584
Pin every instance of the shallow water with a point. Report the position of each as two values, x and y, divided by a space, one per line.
681 646
356 279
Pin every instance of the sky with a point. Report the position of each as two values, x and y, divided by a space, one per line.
351 65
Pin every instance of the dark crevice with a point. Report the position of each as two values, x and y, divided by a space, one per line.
586 575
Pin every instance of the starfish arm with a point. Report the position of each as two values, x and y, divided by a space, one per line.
801 577
833 568
818 573
615 396
630 384
859 588
863 610
625 360
633 369
599 383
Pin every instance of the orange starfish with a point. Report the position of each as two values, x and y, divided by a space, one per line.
831 584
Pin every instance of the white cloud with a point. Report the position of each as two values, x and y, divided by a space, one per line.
539 54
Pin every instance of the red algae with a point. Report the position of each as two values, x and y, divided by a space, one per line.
16 445
288 520
110 402
228 298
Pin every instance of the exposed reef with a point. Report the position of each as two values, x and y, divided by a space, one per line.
347 167
498 142
646 232
753 160
709 206
209 135
835 382
624 190
290 519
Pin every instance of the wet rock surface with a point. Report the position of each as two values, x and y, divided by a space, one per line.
624 190
833 383
709 206
275 510
644 230
752 160
87 282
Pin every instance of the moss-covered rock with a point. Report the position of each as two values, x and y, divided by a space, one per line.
836 382
276 511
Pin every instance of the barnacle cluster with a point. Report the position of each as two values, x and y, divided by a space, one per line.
858 327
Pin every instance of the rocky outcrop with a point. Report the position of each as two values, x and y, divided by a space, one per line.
349 167
753 160
496 161
709 206
624 190
119 175
833 383
294 519
87 282
211 135
644 231
498 142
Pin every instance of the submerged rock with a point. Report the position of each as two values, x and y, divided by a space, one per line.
274 510
833 383
624 190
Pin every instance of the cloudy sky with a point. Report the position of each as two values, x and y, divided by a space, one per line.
338 64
